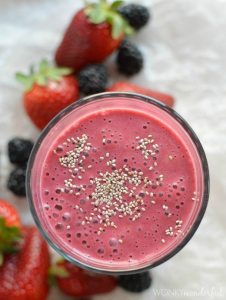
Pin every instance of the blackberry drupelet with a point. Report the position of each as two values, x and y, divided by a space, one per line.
16 181
19 150
135 283
129 59
136 15
93 79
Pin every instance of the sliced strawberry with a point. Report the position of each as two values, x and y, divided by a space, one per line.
124 86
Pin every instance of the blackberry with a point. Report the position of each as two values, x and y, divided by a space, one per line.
129 58
135 283
16 181
136 15
93 79
19 150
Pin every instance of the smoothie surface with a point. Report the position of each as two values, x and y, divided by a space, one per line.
118 187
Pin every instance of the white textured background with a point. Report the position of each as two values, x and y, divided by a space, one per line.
185 53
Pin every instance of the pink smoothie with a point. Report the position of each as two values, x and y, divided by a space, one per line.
118 188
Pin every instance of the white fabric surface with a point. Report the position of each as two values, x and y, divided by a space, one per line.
185 54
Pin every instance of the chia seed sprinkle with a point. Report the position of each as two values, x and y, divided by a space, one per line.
178 224
142 146
72 157
169 231
109 188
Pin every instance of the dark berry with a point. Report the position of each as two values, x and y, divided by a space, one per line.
135 283
19 150
93 79
136 15
129 58
16 181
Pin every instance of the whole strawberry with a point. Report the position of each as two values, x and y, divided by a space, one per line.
93 34
10 233
81 283
47 92
124 86
24 275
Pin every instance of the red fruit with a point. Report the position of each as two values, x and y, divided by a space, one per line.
81 283
9 213
124 86
24 275
48 92
9 230
93 34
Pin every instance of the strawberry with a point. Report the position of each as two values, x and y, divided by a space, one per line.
93 34
124 86
9 229
48 91
24 275
9 213
80 283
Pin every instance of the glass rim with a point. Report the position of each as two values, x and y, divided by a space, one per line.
174 115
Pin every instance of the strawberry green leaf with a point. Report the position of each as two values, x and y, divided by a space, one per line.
128 29
116 4
1 259
55 77
117 25
56 271
102 11
43 67
97 13
9 239
64 71
57 73
41 80
26 80
52 281
97 16
42 75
